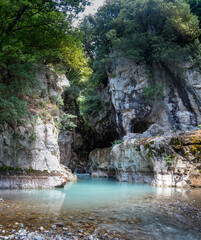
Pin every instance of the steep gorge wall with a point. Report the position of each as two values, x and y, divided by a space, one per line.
166 161
32 145
171 111
178 107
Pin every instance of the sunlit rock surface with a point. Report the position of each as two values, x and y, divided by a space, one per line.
178 106
173 160
33 144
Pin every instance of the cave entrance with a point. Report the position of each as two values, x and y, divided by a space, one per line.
140 127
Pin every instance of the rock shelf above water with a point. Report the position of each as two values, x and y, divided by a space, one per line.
34 180
167 161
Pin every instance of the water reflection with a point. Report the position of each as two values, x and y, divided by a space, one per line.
90 193
134 211
86 193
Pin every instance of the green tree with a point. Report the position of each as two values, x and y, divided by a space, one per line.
195 8
157 30
33 33
145 30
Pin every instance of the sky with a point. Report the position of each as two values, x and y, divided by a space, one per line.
95 4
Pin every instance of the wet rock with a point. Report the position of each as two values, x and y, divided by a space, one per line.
60 225
38 238
54 227
21 225
100 174
57 237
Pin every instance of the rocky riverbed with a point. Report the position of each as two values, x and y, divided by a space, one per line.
141 218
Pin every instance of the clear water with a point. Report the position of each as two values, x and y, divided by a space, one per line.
122 210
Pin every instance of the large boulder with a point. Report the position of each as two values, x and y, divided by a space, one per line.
100 162
166 161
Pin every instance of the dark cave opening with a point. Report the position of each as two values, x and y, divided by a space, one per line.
140 127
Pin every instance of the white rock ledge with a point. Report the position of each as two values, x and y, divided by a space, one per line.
31 181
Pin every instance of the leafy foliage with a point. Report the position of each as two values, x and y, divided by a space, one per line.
152 92
34 33
66 122
149 31
90 105
169 159
11 107
116 142
195 8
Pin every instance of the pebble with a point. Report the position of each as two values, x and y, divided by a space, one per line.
60 225
22 232
21 225
11 236
38 238
54 227
58 237
91 237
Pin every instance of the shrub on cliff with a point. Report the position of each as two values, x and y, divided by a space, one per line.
33 33
144 30
195 8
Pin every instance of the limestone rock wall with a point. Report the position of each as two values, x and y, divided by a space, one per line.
32 145
167 161
179 107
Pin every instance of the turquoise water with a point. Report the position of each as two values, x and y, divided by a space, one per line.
123 210
86 193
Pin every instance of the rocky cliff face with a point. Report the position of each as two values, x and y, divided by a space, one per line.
75 145
150 118
173 161
33 144
176 103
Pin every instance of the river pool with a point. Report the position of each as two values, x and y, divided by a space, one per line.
107 209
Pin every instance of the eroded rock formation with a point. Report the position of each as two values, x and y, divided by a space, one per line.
33 144
178 107
159 142
165 161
